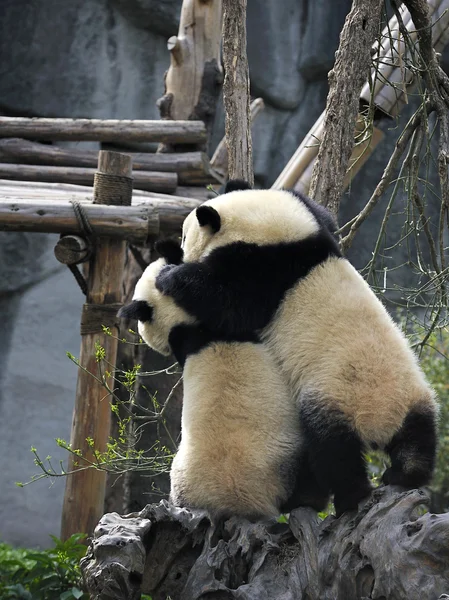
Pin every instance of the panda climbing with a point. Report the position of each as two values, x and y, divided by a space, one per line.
240 447
267 261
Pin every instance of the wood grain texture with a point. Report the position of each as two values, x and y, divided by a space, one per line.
137 224
192 168
193 80
145 180
85 489
236 93
388 549
219 161
103 130
350 71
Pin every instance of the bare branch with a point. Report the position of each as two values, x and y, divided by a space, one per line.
346 79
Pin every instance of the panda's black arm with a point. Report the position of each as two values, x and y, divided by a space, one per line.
227 293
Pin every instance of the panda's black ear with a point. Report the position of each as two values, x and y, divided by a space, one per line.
207 215
137 309
234 185
170 250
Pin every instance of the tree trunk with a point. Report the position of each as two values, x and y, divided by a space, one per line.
346 79
236 95
386 550
193 80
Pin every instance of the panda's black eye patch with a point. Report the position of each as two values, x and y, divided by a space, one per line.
207 215
137 309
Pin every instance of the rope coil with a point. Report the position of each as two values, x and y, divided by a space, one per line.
96 316
117 189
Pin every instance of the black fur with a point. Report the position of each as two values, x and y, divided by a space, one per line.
335 453
324 217
186 340
412 451
239 287
208 216
302 485
137 309
171 250
235 185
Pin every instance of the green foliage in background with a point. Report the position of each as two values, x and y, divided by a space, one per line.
52 574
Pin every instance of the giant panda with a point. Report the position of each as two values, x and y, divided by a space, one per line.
240 444
267 261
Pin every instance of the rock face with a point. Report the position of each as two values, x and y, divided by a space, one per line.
107 59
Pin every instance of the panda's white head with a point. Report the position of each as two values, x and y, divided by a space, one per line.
156 313
245 215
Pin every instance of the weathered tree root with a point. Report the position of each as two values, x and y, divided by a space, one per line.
386 551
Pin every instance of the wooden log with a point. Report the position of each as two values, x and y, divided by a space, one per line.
137 224
236 92
193 80
103 130
146 180
85 489
72 250
388 549
193 168
219 161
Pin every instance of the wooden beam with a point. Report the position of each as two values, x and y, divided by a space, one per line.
145 180
104 130
85 489
137 224
192 167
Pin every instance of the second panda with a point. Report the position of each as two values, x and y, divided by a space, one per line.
240 446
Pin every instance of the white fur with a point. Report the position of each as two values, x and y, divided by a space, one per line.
239 426
331 335
253 216
239 423
166 313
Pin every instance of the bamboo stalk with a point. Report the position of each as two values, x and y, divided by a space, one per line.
107 130
146 180
192 167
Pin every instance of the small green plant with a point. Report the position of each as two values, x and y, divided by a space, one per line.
51 574
122 453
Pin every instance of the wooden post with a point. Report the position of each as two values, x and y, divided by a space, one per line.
85 490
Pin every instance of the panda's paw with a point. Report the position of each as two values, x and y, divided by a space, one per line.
408 481
350 501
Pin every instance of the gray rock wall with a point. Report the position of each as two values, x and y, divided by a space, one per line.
107 59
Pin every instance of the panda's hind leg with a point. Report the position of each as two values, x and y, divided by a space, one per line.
336 453
412 449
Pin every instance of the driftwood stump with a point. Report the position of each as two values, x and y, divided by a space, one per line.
386 551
